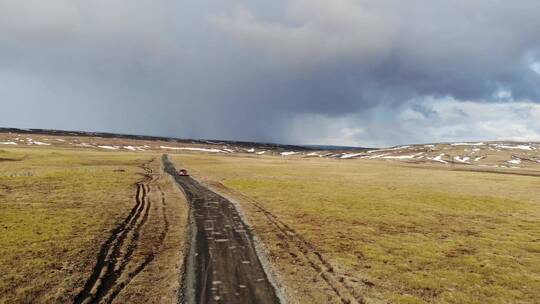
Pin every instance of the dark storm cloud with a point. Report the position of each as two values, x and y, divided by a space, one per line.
255 71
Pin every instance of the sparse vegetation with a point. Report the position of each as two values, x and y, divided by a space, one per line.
392 232
56 209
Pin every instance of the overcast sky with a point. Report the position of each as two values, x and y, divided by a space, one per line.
344 72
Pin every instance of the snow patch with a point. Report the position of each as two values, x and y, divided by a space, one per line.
438 158
411 156
136 148
261 152
464 159
519 147
288 153
389 149
468 144
109 147
39 143
515 161
30 141
7 143
350 155
193 149
378 155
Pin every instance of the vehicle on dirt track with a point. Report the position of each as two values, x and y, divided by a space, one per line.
183 172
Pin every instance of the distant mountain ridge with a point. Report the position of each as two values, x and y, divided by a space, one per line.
245 144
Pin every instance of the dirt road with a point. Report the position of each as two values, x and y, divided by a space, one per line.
222 265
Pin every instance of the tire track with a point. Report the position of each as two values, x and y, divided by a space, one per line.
135 234
149 258
309 252
317 261
163 215
116 253
105 256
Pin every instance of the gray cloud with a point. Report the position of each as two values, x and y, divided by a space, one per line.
260 71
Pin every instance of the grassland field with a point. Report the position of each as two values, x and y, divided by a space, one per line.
393 232
57 206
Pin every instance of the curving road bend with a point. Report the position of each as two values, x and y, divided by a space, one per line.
222 265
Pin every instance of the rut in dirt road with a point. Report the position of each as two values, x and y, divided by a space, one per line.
222 265
312 256
109 275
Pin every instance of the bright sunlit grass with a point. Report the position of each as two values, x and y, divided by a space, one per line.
56 208
417 234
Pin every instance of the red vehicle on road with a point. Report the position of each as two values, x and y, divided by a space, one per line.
183 172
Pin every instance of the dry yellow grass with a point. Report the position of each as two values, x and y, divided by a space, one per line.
56 209
57 206
393 233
